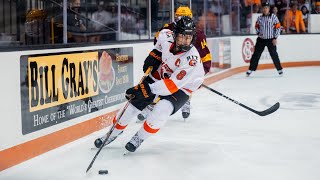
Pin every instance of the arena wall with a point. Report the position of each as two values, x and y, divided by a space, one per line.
231 55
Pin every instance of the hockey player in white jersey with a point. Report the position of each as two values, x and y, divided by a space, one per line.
177 73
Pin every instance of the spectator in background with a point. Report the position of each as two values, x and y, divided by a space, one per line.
140 26
282 7
252 2
275 11
293 20
305 14
316 10
216 9
279 4
246 8
100 20
255 9
75 22
271 2
128 20
36 27
235 8
306 3
210 20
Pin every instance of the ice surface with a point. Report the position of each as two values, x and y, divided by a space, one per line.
219 141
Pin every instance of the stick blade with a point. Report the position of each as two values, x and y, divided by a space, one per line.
272 109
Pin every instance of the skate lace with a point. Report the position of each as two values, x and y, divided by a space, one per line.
186 107
136 140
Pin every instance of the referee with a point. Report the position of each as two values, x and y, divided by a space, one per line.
268 29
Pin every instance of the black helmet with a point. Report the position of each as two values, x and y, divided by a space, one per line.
185 26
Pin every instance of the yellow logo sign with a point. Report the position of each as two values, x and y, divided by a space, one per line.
59 79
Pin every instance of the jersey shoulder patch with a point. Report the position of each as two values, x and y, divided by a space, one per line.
165 35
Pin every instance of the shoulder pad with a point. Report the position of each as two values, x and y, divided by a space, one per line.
168 26
165 34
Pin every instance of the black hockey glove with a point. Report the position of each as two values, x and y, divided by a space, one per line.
154 60
140 96
140 92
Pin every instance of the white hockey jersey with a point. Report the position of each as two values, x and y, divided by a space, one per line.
181 71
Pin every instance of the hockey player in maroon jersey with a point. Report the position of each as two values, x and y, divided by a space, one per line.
199 42
177 73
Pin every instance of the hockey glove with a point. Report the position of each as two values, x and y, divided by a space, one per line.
154 60
140 96
139 92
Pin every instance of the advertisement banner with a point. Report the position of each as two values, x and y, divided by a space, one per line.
247 50
58 87
220 49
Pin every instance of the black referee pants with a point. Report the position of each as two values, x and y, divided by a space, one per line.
259 47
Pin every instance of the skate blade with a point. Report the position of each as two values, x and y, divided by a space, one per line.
95 148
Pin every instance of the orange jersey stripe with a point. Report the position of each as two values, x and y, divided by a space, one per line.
171 85
257 25
278 25
188 90
149 129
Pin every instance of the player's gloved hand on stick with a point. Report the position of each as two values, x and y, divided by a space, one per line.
140 91
153 60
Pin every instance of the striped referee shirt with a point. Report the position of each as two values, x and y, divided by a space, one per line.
268 26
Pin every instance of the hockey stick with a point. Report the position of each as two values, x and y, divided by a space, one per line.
114 124
260 113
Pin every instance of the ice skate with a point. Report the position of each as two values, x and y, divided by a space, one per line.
186 110
248 73
133 144
98 142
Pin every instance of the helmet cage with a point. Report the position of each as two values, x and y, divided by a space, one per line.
185 26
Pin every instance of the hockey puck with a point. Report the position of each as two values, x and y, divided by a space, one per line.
103 171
